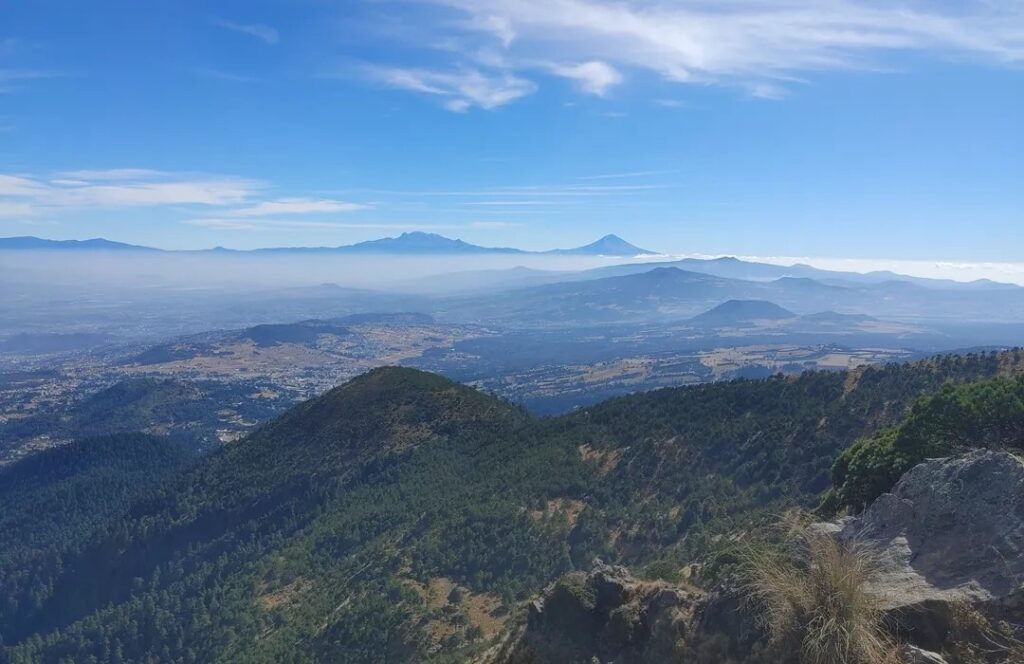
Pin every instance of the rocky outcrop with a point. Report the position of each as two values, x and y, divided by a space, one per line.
948 544
950 535
606 615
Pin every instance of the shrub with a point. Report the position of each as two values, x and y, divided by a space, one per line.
813 600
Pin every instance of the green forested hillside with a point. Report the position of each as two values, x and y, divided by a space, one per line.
401 517
55 502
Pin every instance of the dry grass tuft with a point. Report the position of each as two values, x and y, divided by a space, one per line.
813 599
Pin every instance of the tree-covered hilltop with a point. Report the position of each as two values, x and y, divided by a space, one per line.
401 517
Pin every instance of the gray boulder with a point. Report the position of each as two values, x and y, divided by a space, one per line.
950 533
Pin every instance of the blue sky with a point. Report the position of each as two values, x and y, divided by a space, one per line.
790 128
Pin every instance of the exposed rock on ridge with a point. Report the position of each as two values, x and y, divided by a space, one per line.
949 535
951 529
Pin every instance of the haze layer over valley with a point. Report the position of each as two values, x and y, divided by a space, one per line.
234 337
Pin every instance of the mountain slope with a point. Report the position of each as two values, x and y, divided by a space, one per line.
400 517
57 501
423 243
609 245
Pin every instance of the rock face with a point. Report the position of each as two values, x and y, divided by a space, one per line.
951 529
606 615
951 533
949 543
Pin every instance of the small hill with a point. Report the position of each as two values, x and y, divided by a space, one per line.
304 332
736 312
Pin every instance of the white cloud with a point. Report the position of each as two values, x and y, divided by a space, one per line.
262 32
9 210
594 77
19 185
9 78
627 175
755 45
508 203
112 174
297 206
143 194
460 89
8 75
766 90
117 188
237 201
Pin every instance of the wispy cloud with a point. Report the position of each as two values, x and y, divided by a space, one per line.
220 75
594 77
532 191
10 78
10 210
113 174
239 203
233 224
460 89
627 175
260 31
120 188
509 203
297 206
757 46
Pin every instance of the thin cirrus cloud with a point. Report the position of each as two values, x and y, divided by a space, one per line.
264 33
753 45
10 78
234 224
297 206
594 77
11 210
459 89
240 201
123 188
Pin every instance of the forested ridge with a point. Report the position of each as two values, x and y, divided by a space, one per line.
324 535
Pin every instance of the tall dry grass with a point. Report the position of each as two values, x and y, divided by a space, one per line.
812 597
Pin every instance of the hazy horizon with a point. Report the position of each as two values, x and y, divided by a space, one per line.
853 131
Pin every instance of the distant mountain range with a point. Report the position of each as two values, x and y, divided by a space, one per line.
410 244
30 243
672 293
431 244
726 267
